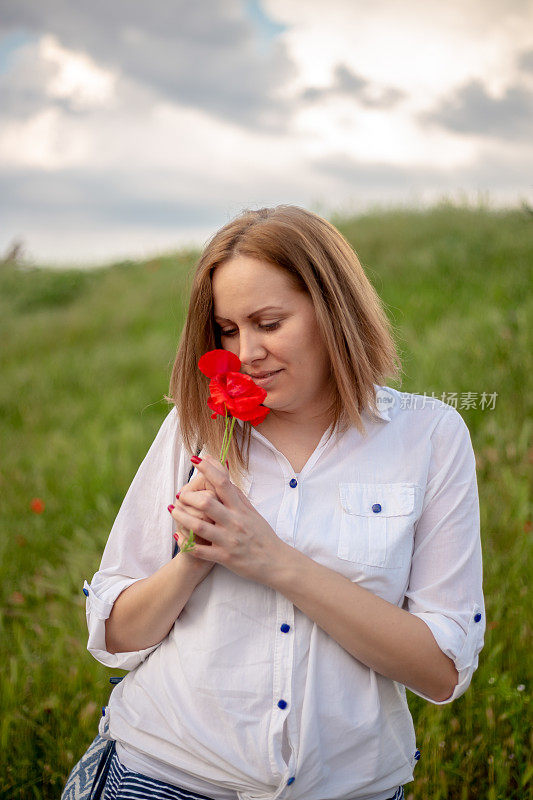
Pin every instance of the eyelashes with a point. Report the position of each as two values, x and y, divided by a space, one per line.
272 326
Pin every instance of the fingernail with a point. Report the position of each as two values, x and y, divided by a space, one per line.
171 508
227 463
175 536
178 496
196 460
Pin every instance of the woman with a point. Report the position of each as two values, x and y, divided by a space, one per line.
336 563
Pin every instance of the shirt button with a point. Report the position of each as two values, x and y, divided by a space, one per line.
285 628
282 704
291 780
293 483
85 592
376 508
477 618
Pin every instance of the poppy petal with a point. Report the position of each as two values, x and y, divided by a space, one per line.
261 417
217 407
215 362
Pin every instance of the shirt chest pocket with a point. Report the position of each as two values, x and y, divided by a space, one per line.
377 523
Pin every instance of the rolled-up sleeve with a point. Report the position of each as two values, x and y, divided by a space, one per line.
445 585
140 541
98 609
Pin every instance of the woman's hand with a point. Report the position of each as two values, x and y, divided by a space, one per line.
228 529
201 568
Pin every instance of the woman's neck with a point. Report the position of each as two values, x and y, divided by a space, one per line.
294 425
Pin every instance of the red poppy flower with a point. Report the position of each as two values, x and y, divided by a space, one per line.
37 505
240 395
230 389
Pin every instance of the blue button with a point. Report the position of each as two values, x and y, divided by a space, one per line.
376 508
293 483
477 618
291 780
285 628
282 704
417 755
85 592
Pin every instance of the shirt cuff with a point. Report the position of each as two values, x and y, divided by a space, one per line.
98 609
462 648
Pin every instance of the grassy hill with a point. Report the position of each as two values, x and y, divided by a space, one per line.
85 361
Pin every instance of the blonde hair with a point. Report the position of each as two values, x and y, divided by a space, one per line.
318 260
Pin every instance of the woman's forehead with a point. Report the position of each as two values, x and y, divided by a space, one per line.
246 287
248 270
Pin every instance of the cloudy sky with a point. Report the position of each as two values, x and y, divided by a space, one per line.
130 128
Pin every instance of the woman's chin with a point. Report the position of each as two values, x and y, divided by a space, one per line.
270 404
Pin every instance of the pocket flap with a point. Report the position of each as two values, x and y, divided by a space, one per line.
377 499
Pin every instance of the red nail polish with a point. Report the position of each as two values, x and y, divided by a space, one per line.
175 536
227 463
196 460
171 507
178 496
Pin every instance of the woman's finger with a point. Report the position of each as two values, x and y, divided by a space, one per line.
219 466
196 512
183 536
206 552
203 505
189 522
198 483
218 477
223 468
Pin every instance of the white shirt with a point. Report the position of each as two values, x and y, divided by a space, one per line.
397 512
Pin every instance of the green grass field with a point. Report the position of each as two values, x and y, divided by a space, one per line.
85 362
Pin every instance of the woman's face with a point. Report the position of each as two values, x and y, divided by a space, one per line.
283 338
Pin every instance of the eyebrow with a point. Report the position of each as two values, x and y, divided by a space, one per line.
254 313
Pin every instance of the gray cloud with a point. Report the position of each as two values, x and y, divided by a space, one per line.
525 60
84 198
78 213
502 172
23 87
349 85
197 54
473 111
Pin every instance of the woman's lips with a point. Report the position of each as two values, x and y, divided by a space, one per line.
263 381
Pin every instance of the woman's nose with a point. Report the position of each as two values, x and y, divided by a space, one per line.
250 347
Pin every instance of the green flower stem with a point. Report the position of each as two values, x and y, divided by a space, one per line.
189 544
225 434
225 453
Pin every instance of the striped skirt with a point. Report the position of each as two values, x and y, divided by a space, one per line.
122 784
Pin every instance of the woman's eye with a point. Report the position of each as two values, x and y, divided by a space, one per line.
271 326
